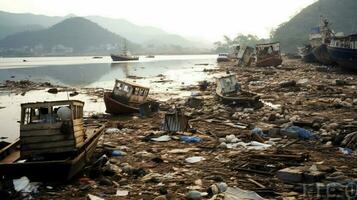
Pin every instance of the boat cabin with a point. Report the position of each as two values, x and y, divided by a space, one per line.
51 127
227 84
129 93
349 42
268 50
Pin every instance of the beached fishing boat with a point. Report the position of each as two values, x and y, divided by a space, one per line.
343 50
55 143
223 57
320 38
229 92
125 98
268 55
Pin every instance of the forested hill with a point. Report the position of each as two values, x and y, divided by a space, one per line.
73 35
341 13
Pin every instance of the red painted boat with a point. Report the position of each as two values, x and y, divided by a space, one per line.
268 55
116 107
125 98
270 61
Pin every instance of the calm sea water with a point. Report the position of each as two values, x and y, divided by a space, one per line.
80 72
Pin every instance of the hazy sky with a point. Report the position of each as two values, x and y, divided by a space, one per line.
207 19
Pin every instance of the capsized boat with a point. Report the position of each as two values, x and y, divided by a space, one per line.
55 142
343 50
229 92
126 98
268 55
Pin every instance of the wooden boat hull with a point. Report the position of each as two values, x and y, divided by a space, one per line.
52 170
115 107
123 58
223 59
344 57
245 100
321 55
270 61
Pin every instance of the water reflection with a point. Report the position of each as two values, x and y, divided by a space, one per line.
123 66
70 75
179 70
99 74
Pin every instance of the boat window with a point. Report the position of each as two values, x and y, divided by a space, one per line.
27 116
141 92
39 115
136 91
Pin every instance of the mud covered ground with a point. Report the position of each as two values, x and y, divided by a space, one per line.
320 99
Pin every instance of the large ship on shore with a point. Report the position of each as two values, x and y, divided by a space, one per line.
343 50
319 42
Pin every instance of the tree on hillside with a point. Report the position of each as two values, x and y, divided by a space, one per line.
240 39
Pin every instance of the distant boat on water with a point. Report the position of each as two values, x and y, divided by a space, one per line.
343 51
150 56
125 55
97 57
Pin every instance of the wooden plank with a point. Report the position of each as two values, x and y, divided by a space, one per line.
28 153
67 143
79 144
46 138
78 122
78 127
52 103
11 158
34 133
79 139
79 133
43 126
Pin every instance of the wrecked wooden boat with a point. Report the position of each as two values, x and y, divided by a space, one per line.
223 57
229 92
55 143
268 55
125 98
322 37
245 56
343 51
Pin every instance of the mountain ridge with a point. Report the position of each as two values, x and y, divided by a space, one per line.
145 35
74 35
293 33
